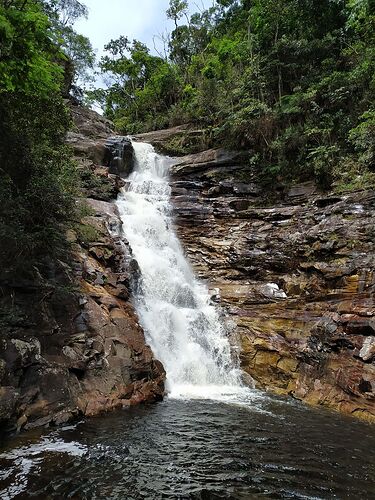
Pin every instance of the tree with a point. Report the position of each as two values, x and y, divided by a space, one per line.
36 172
177 9
291 79
78 49
65 12
27 55
141 85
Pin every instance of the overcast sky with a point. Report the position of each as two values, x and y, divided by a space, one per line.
140 19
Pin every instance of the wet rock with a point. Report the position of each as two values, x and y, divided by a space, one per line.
312 337
249 189
119 155
272 291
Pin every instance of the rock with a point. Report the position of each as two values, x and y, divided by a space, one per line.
327 201
311 335
18 354
90 124
119 155
84 147
21 422
248 380
213 191
159 137
3 370
207 162
102 208
367 353
176 140
359 326
302 192
9 396
272 291
72 345
249 189
239 205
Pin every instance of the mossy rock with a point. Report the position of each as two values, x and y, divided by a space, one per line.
86 234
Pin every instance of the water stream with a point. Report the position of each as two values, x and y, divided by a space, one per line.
212 438
181 325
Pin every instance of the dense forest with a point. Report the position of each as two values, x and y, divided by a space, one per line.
290 80
41 58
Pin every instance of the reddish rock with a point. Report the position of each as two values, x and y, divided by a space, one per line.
73 345
313 339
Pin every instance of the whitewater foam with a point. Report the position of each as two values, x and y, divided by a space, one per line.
181 324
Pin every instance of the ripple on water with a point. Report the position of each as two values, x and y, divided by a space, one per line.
197 449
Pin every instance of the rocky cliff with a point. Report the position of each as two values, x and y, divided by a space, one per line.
70 341
294 271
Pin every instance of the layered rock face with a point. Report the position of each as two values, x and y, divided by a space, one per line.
72 344
296 277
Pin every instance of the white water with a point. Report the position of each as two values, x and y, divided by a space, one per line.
182 327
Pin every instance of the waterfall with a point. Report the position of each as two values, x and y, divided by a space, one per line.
181 325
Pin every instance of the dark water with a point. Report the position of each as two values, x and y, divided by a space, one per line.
197 450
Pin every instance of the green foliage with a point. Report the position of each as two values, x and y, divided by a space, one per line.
37 176
144 86
177 8
363 138
27 54
83 209
86 234
77 48
293 80
96 186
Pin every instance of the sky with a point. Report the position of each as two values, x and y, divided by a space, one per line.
140 19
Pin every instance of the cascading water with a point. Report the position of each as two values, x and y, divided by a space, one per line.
181 325
253 448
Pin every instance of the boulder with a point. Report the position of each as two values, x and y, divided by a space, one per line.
85 147
194 165
89 123
119 155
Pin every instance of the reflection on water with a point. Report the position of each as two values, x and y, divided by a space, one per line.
195 449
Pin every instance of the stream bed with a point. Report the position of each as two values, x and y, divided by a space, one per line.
264 447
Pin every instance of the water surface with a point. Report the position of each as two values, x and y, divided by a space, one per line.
182 326
213 438
197 449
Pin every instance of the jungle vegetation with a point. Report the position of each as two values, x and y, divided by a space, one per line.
41 57
291 80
